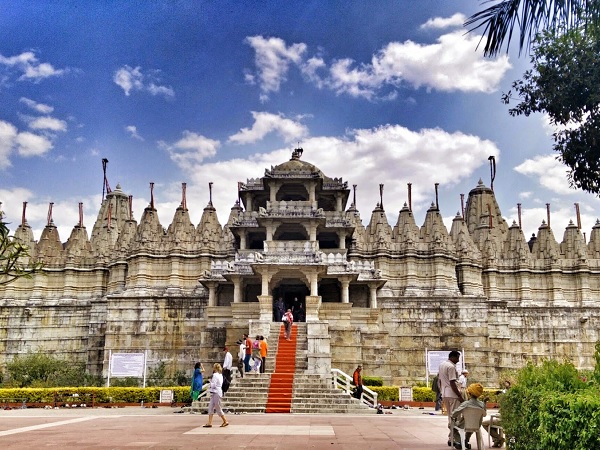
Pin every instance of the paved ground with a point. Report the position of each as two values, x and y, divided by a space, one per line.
164 428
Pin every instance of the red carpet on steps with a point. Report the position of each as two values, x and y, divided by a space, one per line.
282 379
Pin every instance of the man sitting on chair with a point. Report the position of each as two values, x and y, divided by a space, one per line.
474 391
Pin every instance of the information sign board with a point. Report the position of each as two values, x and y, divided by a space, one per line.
127 365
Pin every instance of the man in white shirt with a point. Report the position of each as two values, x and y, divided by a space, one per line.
227 364
449 387
462 380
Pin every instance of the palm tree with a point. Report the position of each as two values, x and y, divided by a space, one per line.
530 17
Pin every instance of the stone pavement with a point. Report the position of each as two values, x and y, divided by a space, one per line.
165 428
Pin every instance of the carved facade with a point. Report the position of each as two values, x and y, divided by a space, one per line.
378 294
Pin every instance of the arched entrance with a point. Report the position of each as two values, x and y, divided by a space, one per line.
293 292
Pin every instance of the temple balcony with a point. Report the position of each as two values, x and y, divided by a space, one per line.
295 209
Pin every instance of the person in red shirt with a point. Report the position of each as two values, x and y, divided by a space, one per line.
357 380
248 344
288 320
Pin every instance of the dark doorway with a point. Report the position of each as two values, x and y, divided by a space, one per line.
294 298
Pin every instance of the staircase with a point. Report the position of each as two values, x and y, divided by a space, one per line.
279 399
286 387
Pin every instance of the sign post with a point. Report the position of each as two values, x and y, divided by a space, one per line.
127 365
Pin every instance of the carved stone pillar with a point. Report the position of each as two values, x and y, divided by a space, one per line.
243 240
314 287
373 296
319 348
313 303
269 232
266 308
311 192
273 189
345 290
237 289
212 294
342 238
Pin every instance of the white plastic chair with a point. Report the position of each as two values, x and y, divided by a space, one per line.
497 426
472 418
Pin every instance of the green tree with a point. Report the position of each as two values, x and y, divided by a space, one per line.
596 374
43 370
565 84
531 17
15 261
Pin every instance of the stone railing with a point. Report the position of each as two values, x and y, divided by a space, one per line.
280 255
291 246
290 209
343 381
246 219
253 184
336 219
273 173
218 268
335 185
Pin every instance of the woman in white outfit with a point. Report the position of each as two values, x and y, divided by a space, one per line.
216 392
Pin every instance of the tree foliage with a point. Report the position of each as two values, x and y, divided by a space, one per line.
43 370
564 83
528 411
15 259
531 17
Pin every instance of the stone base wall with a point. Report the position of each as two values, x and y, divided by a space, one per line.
389 341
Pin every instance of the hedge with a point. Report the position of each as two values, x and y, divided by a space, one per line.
551 406
372 381
570 421
102 394
421 394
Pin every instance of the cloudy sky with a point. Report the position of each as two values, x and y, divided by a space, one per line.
197 91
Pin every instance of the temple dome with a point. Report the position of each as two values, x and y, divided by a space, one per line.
296 165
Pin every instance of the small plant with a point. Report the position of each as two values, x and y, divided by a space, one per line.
372 381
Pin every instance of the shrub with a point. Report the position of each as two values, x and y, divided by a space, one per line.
386 392
42 370
102 394
570 421
423 394
537 388
372 381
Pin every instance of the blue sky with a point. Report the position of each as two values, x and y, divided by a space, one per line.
216 91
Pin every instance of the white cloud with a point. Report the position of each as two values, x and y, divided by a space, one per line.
450 64
25 143
265 123
132 130
8 133
37 107
561 214
525 195
548 172
132 79
191 149
155 89
30 66
129 79
48 123
272 59
65 213
437 23
29 144
390 154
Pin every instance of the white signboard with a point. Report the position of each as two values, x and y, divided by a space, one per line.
436 357
127 365
166 396
406 394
